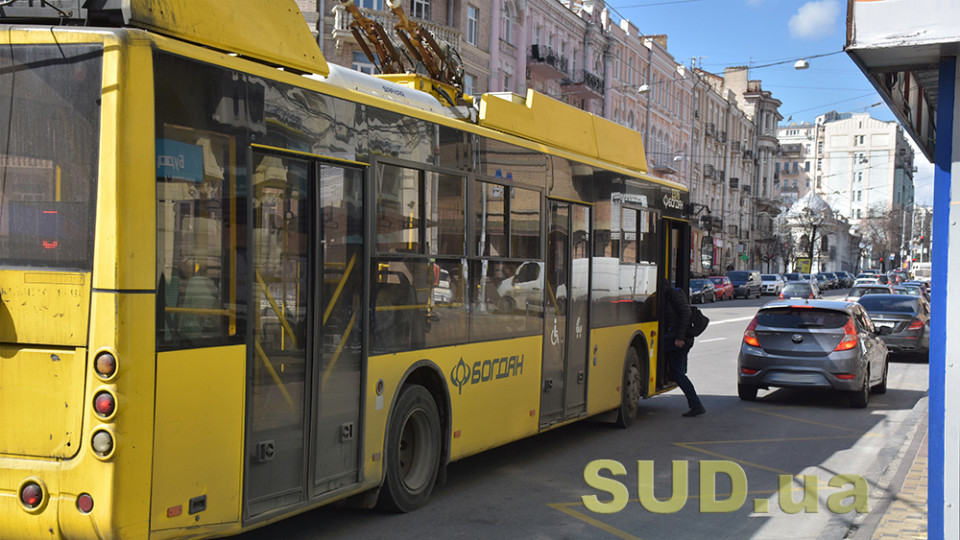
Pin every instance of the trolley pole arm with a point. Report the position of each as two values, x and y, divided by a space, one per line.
441 61
374 41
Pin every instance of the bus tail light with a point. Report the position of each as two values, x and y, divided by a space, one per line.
85 503
104 404
105 365
850 339
749 336
102 443
31 495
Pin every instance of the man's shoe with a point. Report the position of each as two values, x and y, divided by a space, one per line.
696 411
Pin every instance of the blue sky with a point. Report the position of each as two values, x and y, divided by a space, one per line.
755 33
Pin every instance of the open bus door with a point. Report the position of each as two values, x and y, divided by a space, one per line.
674 267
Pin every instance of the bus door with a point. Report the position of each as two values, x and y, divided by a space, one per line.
566 328
303 407
675 268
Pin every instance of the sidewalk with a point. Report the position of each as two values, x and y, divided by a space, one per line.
905 515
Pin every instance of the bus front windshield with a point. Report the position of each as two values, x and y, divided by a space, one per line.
49 134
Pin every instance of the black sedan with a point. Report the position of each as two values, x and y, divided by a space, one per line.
906 317
813 344
702 290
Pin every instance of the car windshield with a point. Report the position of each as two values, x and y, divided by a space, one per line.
696 283
890 303
716 280
792 277
738 276
802 317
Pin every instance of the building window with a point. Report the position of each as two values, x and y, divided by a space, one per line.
370 4
806 166
507 22
469 84
473 25
420 9
506 82
362 64
796 167
819 164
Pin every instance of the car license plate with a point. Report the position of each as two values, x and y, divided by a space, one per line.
884 324
795 378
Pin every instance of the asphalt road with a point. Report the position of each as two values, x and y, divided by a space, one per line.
534 488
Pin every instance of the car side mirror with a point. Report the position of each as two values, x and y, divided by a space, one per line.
884 330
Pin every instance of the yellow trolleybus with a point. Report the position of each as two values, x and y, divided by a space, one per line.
238 283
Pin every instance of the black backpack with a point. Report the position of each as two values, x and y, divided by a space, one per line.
698 322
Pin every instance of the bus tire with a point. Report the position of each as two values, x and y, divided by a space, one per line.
632 389
412 455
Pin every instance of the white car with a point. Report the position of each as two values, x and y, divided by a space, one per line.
865 281
771 283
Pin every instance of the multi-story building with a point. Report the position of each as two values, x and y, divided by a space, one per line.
866 165
796 164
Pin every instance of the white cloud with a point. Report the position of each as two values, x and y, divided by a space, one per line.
815 19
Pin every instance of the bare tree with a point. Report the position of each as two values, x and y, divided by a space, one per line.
882 231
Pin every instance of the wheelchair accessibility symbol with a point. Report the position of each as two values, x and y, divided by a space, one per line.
554 335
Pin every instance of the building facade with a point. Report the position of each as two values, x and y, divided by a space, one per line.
866 166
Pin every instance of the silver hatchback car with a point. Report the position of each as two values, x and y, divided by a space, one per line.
813 344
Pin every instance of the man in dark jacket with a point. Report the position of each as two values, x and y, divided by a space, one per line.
677 343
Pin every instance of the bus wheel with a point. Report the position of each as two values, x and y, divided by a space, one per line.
413 451
632 389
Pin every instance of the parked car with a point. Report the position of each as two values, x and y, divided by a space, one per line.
702 290
800 289
834 280
723 287
746 283
792 276
857 291
822 281
845 278
772 283
815 344
906 317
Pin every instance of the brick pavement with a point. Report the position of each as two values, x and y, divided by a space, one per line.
906 516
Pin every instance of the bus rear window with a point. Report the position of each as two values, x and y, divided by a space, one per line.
49 133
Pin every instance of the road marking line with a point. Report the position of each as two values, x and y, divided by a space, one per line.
739 319
731 458
761 411
566 509
713 339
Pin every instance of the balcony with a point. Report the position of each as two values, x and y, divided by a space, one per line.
747 155
791 149
708 171
746 189
735 147
583 85
710 129
544 62
734 182
343 36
